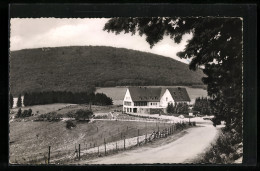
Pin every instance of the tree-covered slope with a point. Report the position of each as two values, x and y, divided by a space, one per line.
73 68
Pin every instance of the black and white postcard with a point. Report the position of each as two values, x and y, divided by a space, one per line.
126 90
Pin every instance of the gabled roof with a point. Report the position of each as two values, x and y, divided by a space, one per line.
145 94
179 94
155 94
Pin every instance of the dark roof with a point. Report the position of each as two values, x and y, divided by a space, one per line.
145 94
155 94
179 94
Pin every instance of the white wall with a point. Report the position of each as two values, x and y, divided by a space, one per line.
153 105
127 98
15 101
163 101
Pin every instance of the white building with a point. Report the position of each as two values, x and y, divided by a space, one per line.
152 100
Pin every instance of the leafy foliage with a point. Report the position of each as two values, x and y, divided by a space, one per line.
83 115
170 108
227 148
179 108
98 66
19 113
23 114
70 124
216 46
51 116
102 99
203 105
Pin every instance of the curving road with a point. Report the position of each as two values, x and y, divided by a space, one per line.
185 148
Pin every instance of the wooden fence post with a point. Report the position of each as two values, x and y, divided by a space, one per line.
145 136
105 146
138 137
116 145
79 151
124 142
49 155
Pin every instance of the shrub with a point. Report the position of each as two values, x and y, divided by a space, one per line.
25 113
71 115
226 149
70 124
170 108
183 124
51 116
19 113
101 117
178 125
178 108
83 115
203 105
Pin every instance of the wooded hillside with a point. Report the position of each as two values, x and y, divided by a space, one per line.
72 68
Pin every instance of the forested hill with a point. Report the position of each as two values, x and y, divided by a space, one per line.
72 68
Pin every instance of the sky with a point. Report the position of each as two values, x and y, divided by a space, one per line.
53 32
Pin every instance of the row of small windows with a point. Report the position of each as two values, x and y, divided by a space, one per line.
127 103
140 103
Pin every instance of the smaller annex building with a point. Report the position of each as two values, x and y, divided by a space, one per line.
148 100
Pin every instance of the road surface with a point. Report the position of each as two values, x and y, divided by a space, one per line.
182 150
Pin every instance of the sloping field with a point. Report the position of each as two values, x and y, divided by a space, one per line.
30 140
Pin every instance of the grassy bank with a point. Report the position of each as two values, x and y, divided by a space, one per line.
226 149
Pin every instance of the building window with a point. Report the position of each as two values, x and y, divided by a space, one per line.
166 99
127 103
151 104
140 103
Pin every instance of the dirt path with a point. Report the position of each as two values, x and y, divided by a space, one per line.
187 147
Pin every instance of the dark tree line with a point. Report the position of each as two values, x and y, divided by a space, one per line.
39 98
178 108
203 105
19 101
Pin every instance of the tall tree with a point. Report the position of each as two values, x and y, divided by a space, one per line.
215 46
91 89
11 101
19 101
